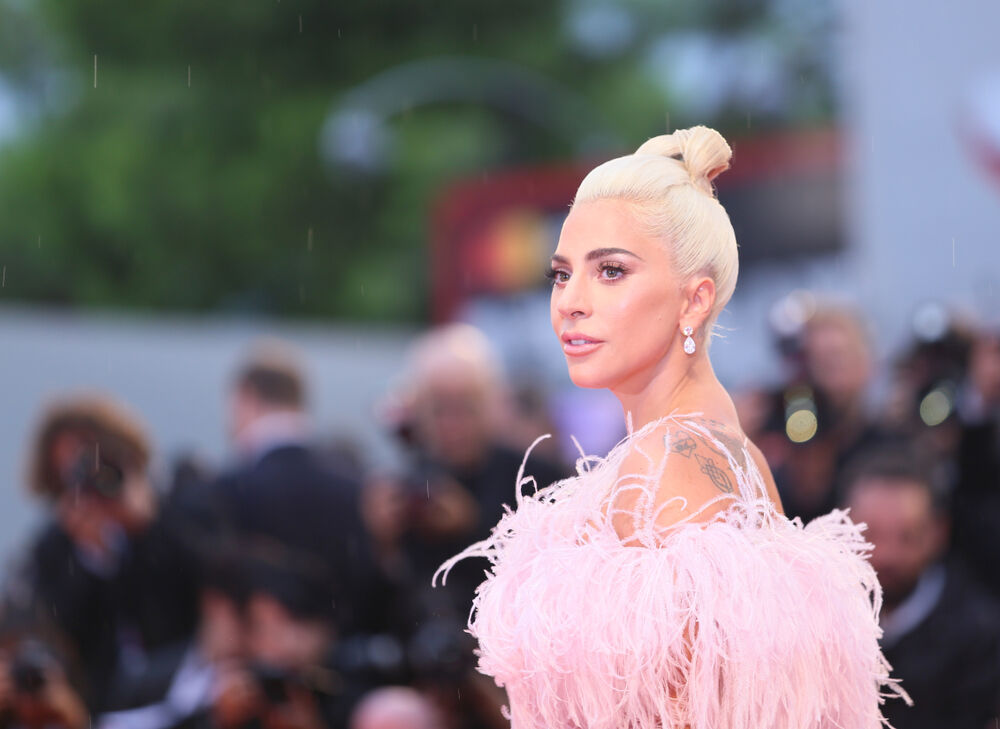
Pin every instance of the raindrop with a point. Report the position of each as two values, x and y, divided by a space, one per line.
309 240
3 278
95 70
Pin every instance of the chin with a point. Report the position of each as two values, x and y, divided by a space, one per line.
588 377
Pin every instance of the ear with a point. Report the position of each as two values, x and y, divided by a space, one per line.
699 299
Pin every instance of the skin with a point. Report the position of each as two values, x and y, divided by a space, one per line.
907 534
452 414
838 360
615 286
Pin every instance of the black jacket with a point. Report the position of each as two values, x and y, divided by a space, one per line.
296 501
949 663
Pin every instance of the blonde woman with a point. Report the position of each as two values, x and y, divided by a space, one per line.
663 587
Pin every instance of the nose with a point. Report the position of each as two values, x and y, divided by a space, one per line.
572 300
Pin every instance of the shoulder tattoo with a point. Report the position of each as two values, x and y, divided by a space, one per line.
719 476
688 444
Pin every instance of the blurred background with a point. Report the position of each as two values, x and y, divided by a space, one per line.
180 180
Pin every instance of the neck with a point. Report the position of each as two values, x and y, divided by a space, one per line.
687 385
273 428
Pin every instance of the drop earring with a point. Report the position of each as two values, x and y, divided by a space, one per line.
689 345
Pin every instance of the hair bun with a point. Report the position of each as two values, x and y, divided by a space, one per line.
703 151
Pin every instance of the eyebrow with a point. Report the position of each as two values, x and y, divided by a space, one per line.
597 253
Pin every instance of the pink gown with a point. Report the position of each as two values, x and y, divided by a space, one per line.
747 621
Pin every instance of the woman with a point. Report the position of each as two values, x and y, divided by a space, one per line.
663 587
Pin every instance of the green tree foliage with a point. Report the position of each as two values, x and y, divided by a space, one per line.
189 176
150 192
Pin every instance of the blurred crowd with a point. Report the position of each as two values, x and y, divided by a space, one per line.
290 588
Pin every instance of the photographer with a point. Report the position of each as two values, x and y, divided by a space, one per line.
460 474
37 685
107 569
819 419
289 678
34 696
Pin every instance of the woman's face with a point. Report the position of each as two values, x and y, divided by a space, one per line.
616 300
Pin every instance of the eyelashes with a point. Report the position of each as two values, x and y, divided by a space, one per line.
552 273
608 271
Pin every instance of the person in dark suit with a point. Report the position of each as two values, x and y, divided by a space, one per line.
284 491
941 628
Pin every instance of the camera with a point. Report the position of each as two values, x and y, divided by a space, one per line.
29 668
272 681
91 472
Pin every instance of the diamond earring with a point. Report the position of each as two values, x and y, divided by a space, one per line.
689 345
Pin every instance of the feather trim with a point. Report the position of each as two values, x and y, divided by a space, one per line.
746 621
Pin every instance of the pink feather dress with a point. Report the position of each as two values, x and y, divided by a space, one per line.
746 620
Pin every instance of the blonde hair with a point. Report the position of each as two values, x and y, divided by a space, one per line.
669 179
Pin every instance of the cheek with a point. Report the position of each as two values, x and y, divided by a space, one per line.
643 308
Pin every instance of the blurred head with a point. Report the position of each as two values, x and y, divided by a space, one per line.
277 636
395 707
837 356
891 493
289 611
269 381
645 251
455 390
91 447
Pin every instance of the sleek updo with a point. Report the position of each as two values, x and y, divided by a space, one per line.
669 178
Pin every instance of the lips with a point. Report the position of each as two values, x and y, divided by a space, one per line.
575 344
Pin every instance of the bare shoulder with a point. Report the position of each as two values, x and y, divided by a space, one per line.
692 467
765 472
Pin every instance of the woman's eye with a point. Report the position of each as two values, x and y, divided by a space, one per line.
557 276
611 272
